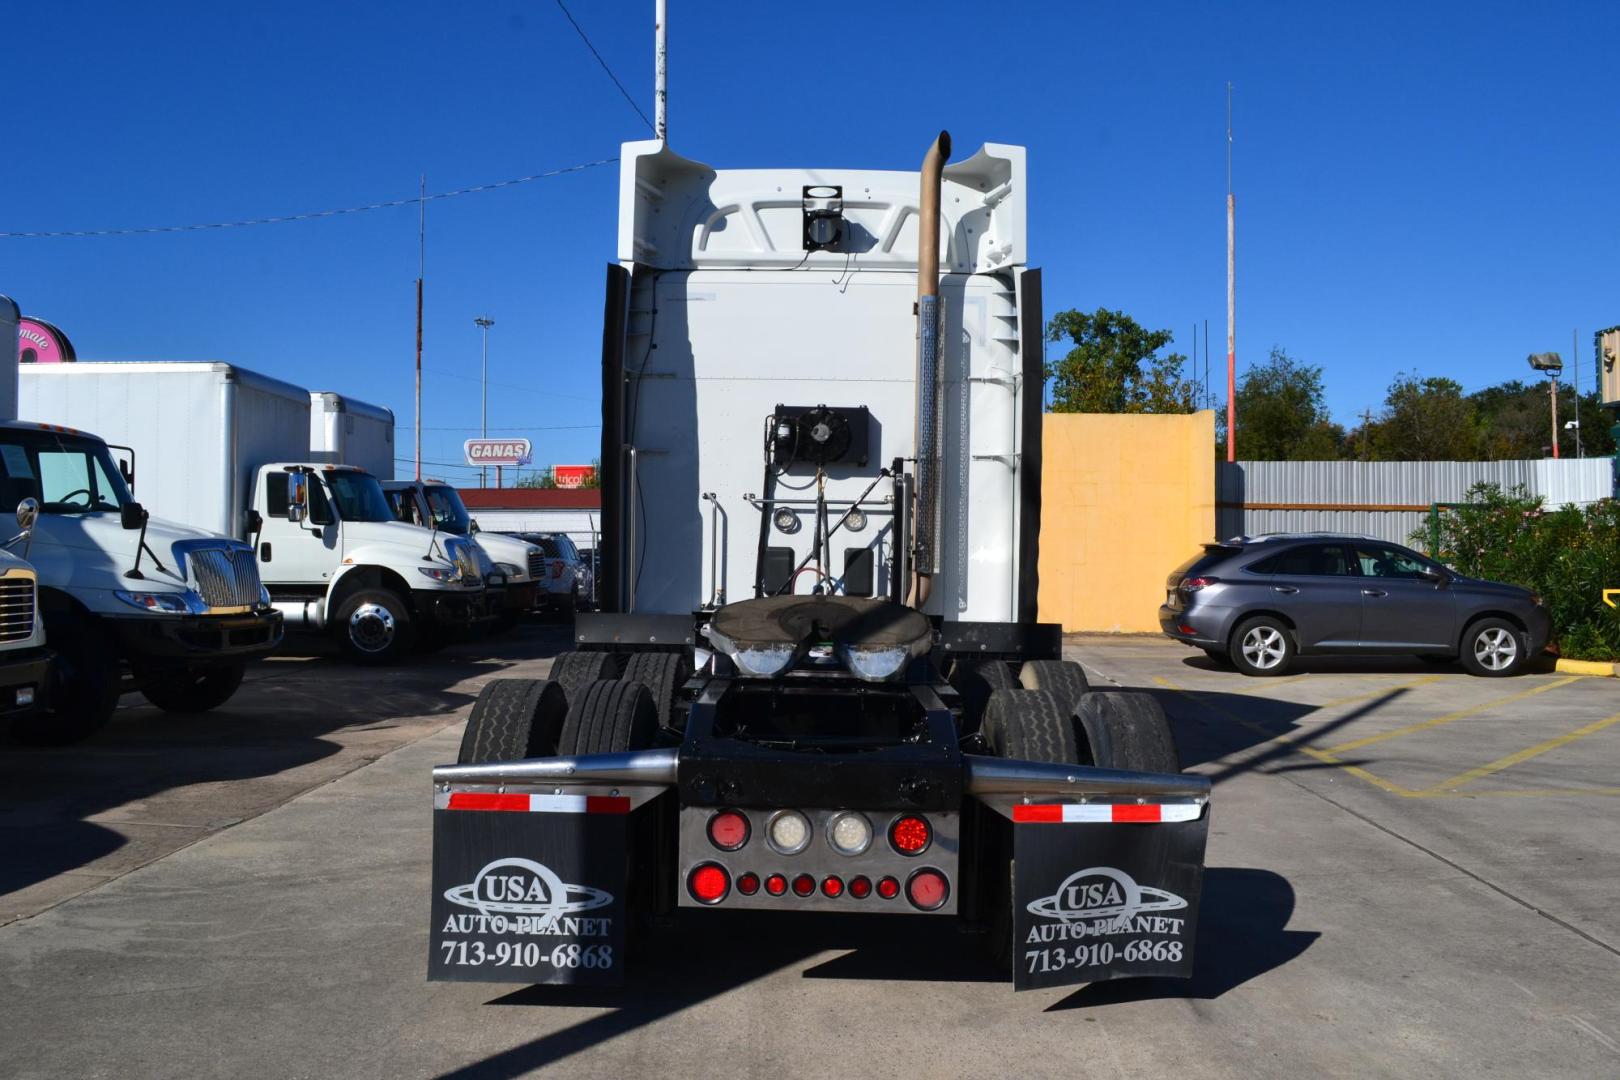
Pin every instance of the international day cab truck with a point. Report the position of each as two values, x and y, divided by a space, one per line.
129 601
226 449
818 683
517 565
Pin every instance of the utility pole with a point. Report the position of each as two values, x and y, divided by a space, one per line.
660 70
1231 294
1574 356
1552 383
421 270
1366 430
484 322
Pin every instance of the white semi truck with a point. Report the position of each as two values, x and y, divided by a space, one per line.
818 683
226 449
129 601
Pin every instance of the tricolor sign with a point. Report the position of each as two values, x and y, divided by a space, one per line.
498 451
573 476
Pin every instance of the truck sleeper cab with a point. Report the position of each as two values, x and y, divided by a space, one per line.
515 566
334 557
128 602
819 682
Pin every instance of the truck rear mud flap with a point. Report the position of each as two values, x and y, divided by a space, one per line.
532 867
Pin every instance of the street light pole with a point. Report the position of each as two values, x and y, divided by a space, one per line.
484 322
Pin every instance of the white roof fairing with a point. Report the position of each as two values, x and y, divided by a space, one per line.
675 213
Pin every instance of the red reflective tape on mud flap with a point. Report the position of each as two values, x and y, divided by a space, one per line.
1105 813
543 804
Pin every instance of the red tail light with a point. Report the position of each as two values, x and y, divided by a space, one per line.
1193 584
888 888
910 835
748 884
804 885
832 887
776 884
709 883
927 889
728 830
860 887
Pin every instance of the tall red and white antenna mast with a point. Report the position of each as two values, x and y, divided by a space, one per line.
1231 294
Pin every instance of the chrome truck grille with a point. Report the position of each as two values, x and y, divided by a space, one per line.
16 608
226 577
537 565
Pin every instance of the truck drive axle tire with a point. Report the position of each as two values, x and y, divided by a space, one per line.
975 681
1126 731
610 717
1065 678
574 671
1030 725
193 690
374 627
513 719
663 674
85 683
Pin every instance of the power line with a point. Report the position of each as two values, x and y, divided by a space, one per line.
38 235
531 427
569 16
514 386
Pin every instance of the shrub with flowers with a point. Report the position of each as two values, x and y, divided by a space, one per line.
1569 556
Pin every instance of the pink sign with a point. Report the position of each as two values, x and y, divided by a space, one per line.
38 342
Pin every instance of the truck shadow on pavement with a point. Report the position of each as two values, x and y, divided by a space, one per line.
1242 934
152 782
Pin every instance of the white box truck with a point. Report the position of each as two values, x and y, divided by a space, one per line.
226 449
346 431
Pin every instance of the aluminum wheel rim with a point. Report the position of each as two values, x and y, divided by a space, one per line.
1495 648
1264 647
371 627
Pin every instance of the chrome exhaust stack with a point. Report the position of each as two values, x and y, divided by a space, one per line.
930 373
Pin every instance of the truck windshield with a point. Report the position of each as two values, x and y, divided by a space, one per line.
449 512
68 474
359 496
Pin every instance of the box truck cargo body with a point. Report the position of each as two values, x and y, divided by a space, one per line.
345 431
222 448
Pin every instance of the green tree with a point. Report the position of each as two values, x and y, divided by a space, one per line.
1424 419
1115 366
1282 414
1515 421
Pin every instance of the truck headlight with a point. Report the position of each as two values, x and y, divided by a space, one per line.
164 603
442 574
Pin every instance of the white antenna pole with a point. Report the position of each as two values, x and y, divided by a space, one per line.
661 81
1231 295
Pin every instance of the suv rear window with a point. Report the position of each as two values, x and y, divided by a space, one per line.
1212 555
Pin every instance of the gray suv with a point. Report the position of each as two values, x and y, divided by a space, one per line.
1260 602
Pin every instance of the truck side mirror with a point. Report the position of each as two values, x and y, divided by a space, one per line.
255 523
297 497
132 516
27 513
127 472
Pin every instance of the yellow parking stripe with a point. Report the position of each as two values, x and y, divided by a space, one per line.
1336 702
1424 725
1525 755
1323 756
1523 793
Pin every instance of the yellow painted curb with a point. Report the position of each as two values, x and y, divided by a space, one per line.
1588 667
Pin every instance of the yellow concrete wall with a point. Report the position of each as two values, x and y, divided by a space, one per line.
1124 500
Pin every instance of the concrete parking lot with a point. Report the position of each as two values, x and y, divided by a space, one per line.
1411 873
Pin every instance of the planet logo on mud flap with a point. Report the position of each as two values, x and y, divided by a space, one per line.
525 887
1101 892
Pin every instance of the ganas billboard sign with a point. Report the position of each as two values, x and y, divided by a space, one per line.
487 452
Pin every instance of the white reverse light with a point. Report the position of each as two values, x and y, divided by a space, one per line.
849 833
788 832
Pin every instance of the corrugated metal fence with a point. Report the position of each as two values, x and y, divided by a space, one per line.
1386 499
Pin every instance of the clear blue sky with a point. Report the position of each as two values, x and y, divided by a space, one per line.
1429 187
